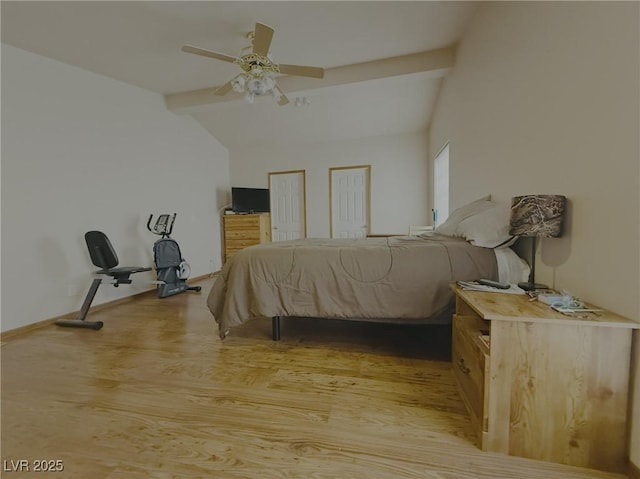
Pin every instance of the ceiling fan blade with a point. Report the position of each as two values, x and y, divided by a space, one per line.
208 53
283 100
301 71
262 36
224 89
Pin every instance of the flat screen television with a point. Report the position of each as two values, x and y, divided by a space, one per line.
249 200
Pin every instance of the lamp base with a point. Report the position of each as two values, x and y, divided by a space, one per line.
532 286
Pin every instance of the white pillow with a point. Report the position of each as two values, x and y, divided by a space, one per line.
449 227
489 228
511 268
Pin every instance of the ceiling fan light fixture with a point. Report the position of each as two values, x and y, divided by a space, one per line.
261 86
269 84
252 86
238 84
301 101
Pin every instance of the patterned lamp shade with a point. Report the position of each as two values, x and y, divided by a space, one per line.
537 215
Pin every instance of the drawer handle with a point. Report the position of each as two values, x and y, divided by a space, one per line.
462 366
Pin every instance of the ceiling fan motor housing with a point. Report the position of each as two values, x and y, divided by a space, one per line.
257 65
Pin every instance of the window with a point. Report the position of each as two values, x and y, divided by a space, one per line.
441 186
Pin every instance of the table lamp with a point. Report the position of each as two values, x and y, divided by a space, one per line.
536 216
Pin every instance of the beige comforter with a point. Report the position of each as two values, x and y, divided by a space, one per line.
403 279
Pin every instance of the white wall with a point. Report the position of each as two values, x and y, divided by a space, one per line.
80 152
545 98
399 176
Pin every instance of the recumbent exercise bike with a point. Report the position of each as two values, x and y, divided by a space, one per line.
172 270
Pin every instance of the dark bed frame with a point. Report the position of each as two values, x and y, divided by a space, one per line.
441 318
275 328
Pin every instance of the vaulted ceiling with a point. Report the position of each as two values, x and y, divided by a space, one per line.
384 61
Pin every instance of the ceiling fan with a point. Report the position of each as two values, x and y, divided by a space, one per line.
258 70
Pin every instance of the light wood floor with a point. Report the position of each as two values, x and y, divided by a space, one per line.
156 395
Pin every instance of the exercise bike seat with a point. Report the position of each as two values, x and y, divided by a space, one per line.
104 257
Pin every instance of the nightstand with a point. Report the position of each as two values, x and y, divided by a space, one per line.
543 385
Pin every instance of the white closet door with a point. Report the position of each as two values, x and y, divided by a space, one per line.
287 198
349 188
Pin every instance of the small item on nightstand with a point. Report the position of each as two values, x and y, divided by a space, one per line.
568 304
567 300
477 286
549 298
535 292
493 284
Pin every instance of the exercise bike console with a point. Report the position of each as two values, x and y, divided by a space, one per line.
163 225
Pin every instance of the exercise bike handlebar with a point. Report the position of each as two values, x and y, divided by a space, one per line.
163 226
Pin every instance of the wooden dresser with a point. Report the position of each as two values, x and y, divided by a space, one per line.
544 385
241 231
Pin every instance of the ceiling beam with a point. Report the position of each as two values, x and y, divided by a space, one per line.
438 62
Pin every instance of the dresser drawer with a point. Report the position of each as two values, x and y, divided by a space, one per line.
248 234
241 243
241 221
470 358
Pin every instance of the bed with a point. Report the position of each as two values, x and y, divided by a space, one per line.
403 279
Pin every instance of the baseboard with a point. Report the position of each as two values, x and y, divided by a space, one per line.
13 333
634 471
203 276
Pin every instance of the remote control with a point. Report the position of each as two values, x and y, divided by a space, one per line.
493 284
